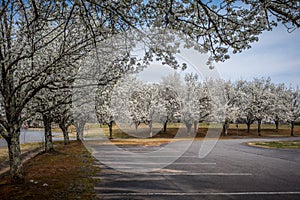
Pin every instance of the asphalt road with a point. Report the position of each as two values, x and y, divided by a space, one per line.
232 170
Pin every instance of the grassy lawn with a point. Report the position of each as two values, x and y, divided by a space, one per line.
64 174
278 144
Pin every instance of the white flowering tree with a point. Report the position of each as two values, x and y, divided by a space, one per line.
52 106
256 101
127 102
136 104
38 38
279 100
217 26
170 87
203 104
103 107
154 106
293 107
226 109
63 115
193 103
261 100
99 72
246 112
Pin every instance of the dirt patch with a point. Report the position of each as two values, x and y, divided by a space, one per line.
131 142
63 174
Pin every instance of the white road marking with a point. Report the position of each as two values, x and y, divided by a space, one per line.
180 173
152 156
100 152
201 174
154 163
198 193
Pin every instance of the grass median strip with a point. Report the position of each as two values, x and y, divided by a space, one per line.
277 144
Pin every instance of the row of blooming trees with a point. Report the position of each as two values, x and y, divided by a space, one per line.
190 101
43 42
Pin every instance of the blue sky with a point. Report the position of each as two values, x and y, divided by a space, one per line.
275 55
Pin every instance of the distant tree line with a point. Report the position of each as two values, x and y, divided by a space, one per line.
191 101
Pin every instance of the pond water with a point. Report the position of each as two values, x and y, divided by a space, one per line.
28 136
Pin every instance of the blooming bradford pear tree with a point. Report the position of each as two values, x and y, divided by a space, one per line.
63 112
256 101
279 111
189 102
261 100
170 87
64 119
137 112
127 103
37 39
103 107
246 110
168 105
293 107
52 106
154 106
217 26
229 106
202 104
98 75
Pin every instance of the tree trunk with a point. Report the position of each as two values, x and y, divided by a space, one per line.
277 125
259 127
48 133
196 127
189 128
150 127
136 124
225 128
64 129
292 127
248 126
110 125
165 126
14 152
79 130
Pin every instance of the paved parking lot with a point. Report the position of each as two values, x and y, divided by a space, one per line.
232 170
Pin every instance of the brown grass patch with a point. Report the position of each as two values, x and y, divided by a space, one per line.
63 174
268 130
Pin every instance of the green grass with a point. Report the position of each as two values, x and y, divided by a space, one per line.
279 144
